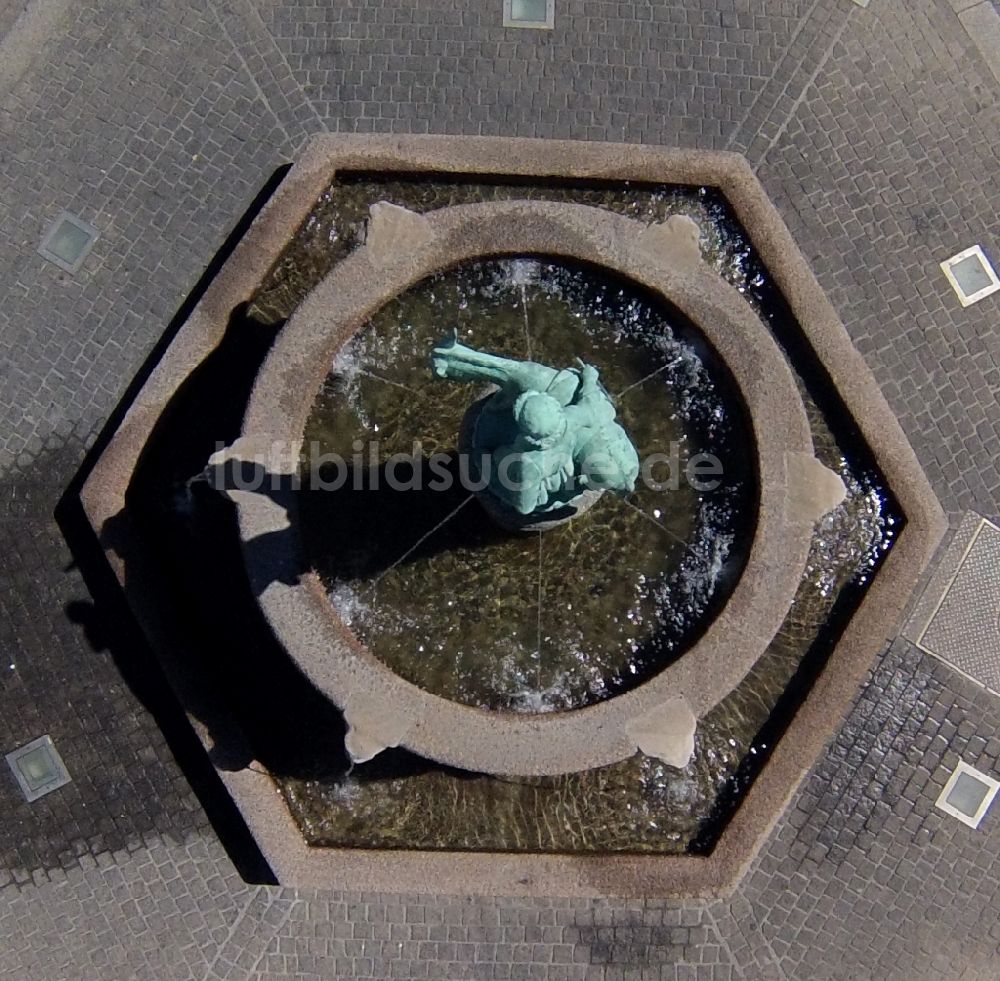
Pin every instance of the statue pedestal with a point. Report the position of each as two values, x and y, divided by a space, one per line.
498 510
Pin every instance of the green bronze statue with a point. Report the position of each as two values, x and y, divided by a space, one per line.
545 441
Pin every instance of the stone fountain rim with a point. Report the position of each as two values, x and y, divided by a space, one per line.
110 467
382 708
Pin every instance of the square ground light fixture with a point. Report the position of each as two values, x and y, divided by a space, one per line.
971 275
968 794
68 241
38 768
529 13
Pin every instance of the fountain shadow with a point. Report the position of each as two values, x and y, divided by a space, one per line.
182 567
111 626
184 572
362 521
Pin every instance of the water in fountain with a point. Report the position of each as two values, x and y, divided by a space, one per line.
639 805
554 620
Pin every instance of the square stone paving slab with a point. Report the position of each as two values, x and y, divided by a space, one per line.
958 616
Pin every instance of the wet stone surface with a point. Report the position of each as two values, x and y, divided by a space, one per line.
337 224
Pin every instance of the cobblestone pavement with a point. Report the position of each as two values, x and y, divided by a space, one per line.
877 133
10 10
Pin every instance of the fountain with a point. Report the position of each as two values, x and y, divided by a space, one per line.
544 442
551 586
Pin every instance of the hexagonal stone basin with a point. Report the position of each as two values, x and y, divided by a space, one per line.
546 620
640 804
401 801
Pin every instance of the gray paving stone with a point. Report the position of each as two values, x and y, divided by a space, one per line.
874 130
982 22
646 72
870 176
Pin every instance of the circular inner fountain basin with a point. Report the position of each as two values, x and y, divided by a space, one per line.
548 620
